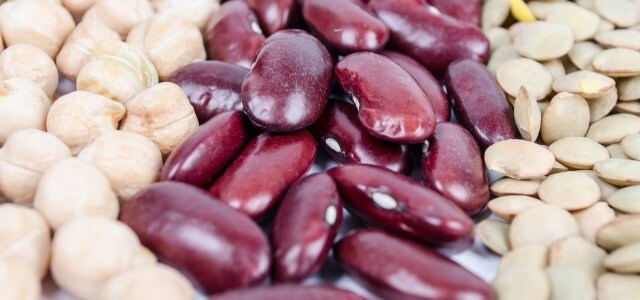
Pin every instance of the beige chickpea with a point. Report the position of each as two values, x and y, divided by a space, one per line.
23 158
163 114
25 238
196 11
18 282
91 194
42 24
22 105
78 7
80 117
130 161
77 49
29 62
157 282
120 15
88 251
170 43
117 70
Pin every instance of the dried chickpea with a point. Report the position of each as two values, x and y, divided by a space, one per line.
120 15
91 194
29 62
157 282
170 43
18 282
42 24
197 11
78 7
23 158
80 117
130 161
163 114
22 105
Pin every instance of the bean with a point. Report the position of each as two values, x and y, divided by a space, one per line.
625 259
543 40
24 239
274 15
619 172
615 287
288 86
617 62
289 292
622 231
616 151
593 218
630 107
570 284
494 235
542 224
468 11
579 253
587 84
494 13
582 22
613 129
508 186
527 73
555 125
18 282
631 146
519 159
582 54
216 246
621 38
510 283
507 207
24 105
601 107
578 152
621 13
527 115
533 256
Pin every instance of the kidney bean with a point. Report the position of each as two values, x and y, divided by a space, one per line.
340 133
305 227
480 103
345 25
288 87
453 167
233 34
289 292
213 87
263 171
429 84
391 105
398 269
433 39
274 15
463 10
396 203
216 246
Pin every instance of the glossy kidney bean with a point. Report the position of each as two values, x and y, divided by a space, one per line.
429 84
289 292
345 25
288 87
259 176
453 166
234 35
400 270
391 105
463 10
213 87
305 227
480 103
412 24
396 203
340 133
216 246
274 15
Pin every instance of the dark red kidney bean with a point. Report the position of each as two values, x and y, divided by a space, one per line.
305 227
391 104
288 87
429 84
340 133
453 167
203 156
234 35
290 292
256 180
345 25
213 87
432 38
274 15
398 204
463 10
400 270
214 245
480 103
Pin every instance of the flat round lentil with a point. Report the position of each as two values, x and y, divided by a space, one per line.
625 259
626 200
494 13
569 190
622 13
617 62
570 284
578 152
543 40
629 88
523 72
616 151
555 68
622 231
631 146
606 189
500 56
618 287
601 107
619 172
582 54
542 9
543 225
519 159
534 256
508 186
527 115
510 283
558 167
629 107
577 252
582 22
612 129
593 218
494 235
620 38
507 207
555 123
498 37
586 84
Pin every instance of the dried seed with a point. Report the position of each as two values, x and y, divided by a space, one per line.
625 259
519 159
520 11
507 207
508 186
606 189
534 256
543 105
629 107
631 146
622 231
494 13
555 68
621 38
616 151
500 56
543 40
542 9
617 62
618 287
582 54
558 167
570 284
582 22
527 115
621 13
494 235
619 172
593 218
612 129
498 37
569 190
556 125
578 152
601 107
523 72
626 200
588 4
586 84
629 88
577 252
542 224
605 26
510 284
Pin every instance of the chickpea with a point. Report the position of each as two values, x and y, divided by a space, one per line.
29 62
163 114
18 282
130 161
120 15
42 24
77 49
24 238
170 43
117 70
197 11
78 7
88 251
156 282
24 157
22 105
80 117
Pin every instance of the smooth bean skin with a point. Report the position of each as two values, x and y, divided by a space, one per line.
306 225
213 87
429 84
480 103
345 25
274 15
412 23
256 180
453 166
400 270
214 245
233 34
203 156
398 204
290 292
463 10
288 87
391 105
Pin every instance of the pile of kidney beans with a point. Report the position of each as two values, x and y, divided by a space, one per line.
364 81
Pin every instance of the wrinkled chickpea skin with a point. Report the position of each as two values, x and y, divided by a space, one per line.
120 15
156 282
196 11
22 105
31 63
18 282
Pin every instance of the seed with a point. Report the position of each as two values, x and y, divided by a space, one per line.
612 129
507 207
582 22
542 224
629 107
555 68
616 151
605 26
498 37
631 146
576 252
618 287
523 72
593 218
617 62
543 40
619 172
542 9
621 38
622 231
558 167
556 125
534 256
527 115
605 189
494 235
626 200
625 259
494 13
520 11
508 186
570 284
629 88
569 190
510 284
578 152
585 83
582 54
519 159
601 107
621 13
500 56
